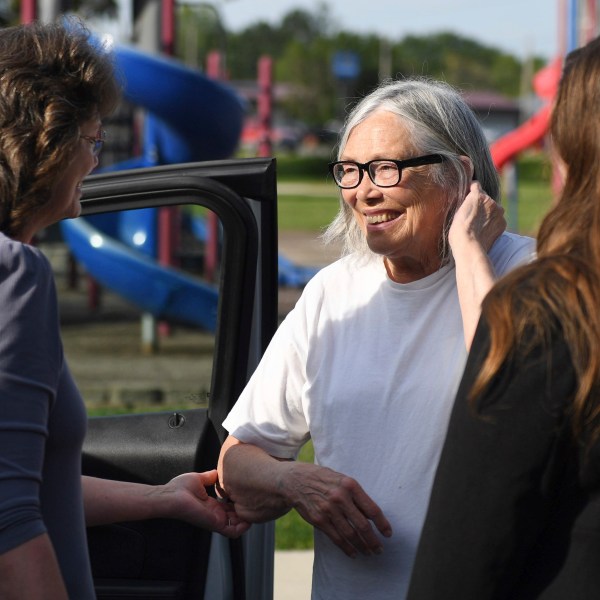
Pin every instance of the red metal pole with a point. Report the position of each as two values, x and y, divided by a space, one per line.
168 217
214 65
214 69
28 11
167 26
265 104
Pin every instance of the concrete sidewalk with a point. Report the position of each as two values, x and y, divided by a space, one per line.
293 574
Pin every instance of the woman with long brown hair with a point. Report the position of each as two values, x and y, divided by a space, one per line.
515 508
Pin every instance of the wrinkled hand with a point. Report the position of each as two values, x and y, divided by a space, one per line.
337 505
478 218
192 503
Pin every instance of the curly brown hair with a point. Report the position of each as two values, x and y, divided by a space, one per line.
53 78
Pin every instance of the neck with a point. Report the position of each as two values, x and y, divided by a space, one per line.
23 237
407 271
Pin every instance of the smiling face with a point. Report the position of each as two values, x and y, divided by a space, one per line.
64 202
67 192
403 223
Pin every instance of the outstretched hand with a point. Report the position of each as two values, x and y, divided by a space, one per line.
191 503
478 218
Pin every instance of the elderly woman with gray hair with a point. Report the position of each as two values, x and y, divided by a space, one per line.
368 362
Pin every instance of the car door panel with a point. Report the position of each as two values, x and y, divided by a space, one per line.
170 559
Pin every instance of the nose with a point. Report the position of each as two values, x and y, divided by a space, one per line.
367 191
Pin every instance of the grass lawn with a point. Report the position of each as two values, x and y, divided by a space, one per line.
535 199
292 532
305 213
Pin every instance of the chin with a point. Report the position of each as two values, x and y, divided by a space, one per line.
383 246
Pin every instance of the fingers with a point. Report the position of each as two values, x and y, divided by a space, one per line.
478 218
361 515
375 514
229 523
209 477
344 512
353 532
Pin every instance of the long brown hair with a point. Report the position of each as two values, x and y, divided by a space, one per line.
52 80
561 288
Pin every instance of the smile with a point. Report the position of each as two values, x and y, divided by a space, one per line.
381 218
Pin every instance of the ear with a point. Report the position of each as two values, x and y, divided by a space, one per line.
468 166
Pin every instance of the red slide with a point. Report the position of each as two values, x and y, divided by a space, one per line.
533 130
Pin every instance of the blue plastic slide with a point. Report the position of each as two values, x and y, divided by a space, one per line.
190 118
293 275
165 293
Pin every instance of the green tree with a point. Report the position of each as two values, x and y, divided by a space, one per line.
460 61
303 45
313 97
247 46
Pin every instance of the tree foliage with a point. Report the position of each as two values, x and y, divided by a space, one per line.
303 45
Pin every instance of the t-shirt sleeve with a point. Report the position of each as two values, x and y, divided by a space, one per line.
30 354
269 412
493 490
511 250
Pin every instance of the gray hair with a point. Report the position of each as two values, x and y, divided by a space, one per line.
438 121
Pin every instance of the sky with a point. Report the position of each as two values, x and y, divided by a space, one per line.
521 27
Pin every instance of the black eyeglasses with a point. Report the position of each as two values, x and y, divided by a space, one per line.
384 172
97 142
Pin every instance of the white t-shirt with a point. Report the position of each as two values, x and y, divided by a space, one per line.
367 368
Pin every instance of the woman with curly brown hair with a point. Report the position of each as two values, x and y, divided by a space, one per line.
515 509
55 88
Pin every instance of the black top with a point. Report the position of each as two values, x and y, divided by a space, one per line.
515 512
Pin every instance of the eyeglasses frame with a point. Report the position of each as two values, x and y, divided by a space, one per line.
97 141
417 161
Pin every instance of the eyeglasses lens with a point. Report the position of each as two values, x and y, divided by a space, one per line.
383 173
346 174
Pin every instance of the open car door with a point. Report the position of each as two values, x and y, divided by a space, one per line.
162 558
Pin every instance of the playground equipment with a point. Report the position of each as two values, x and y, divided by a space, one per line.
534 129
163 292
578 21
190 118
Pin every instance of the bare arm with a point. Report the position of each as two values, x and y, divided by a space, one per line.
263 488
31 571
477 224
184 498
